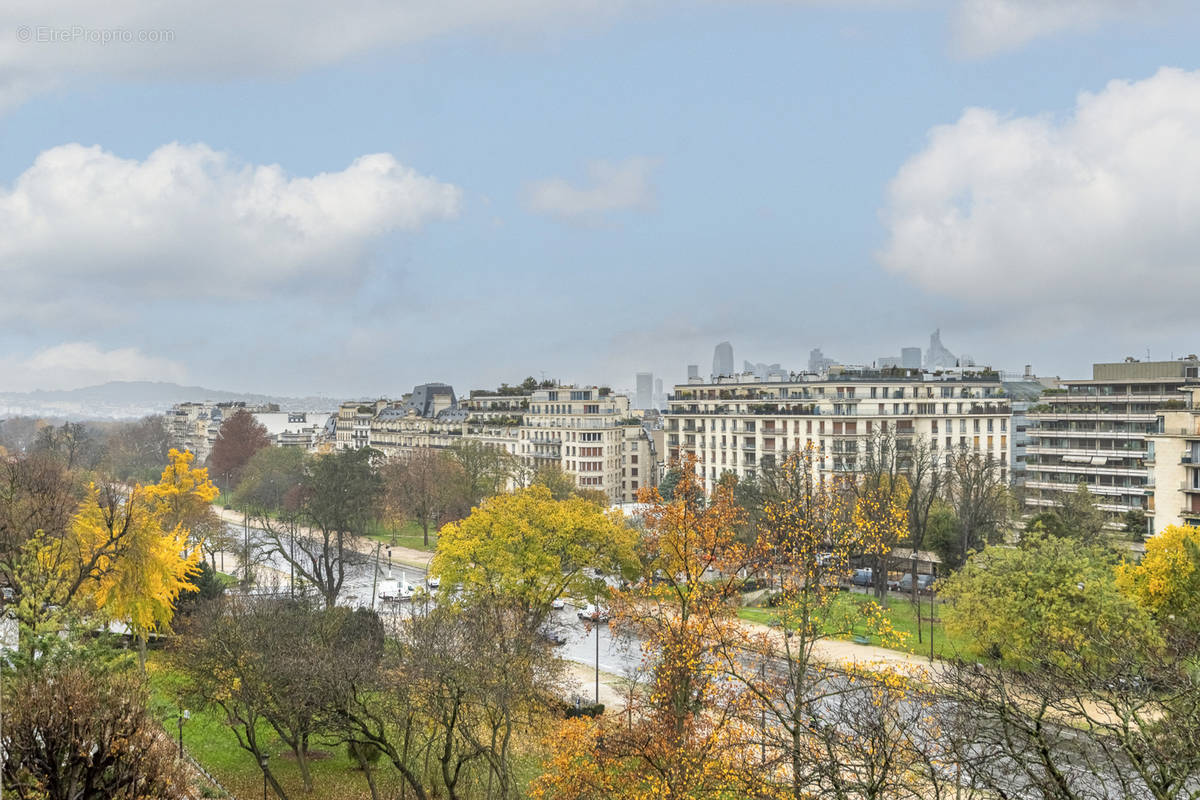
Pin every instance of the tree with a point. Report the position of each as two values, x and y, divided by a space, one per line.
1079 514
1166 582
458 688
138 450
488 469
183 496
666 487
109 554
339 495
942 533
552 477
240 437
526 549
1047 601
1131 718
271 480
1134 522
429 486
681 739
980 500
811 533
76 732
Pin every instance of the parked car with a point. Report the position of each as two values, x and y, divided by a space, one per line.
593 613
904 585
558 604
863 577
433 581
553 635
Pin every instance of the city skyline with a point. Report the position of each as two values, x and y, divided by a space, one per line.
433 197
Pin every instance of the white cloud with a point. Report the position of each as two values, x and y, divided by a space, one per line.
44 43
985 27
613 186
190 223
41 41
1096 211
74 364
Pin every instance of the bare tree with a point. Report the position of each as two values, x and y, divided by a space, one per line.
75 732
429 486
980 499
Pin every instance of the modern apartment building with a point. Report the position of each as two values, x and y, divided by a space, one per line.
1097 432
1173 457
743 424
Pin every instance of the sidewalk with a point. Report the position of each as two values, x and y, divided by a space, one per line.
835 652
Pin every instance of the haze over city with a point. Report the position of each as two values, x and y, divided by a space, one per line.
349 200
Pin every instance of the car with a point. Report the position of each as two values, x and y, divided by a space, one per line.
7 593
558 604
924 583
593 613
552 635
863 577
433 581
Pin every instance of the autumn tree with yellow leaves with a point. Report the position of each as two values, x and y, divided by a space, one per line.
682 737
122 554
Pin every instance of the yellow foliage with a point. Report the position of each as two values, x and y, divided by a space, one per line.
1167 580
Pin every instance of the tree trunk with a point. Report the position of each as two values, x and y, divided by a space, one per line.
302 763
366 768
425 526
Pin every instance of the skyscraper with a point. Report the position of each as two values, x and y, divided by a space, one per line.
645 390
693 371
910 357
660 400
723 360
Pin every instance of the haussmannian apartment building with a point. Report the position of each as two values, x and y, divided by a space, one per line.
741 424
1098 431
588 432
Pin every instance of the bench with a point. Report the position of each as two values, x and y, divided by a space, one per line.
860 639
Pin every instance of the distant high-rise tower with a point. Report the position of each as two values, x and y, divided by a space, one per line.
818 364
723 360
910 357
693 371
937 356
644 398
660 400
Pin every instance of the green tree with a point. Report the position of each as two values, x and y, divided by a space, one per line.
1050 600
1080 517
340 495
1134 521
666 487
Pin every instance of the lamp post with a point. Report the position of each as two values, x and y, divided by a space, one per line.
184 716
597 655
262 762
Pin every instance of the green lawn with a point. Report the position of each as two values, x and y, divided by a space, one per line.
407 534
213 744
903 617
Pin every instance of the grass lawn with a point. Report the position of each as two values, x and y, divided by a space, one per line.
903 617
213 744
408 534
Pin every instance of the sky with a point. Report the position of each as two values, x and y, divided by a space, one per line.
351 198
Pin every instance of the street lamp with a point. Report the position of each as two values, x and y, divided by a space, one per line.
184 716
262 762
